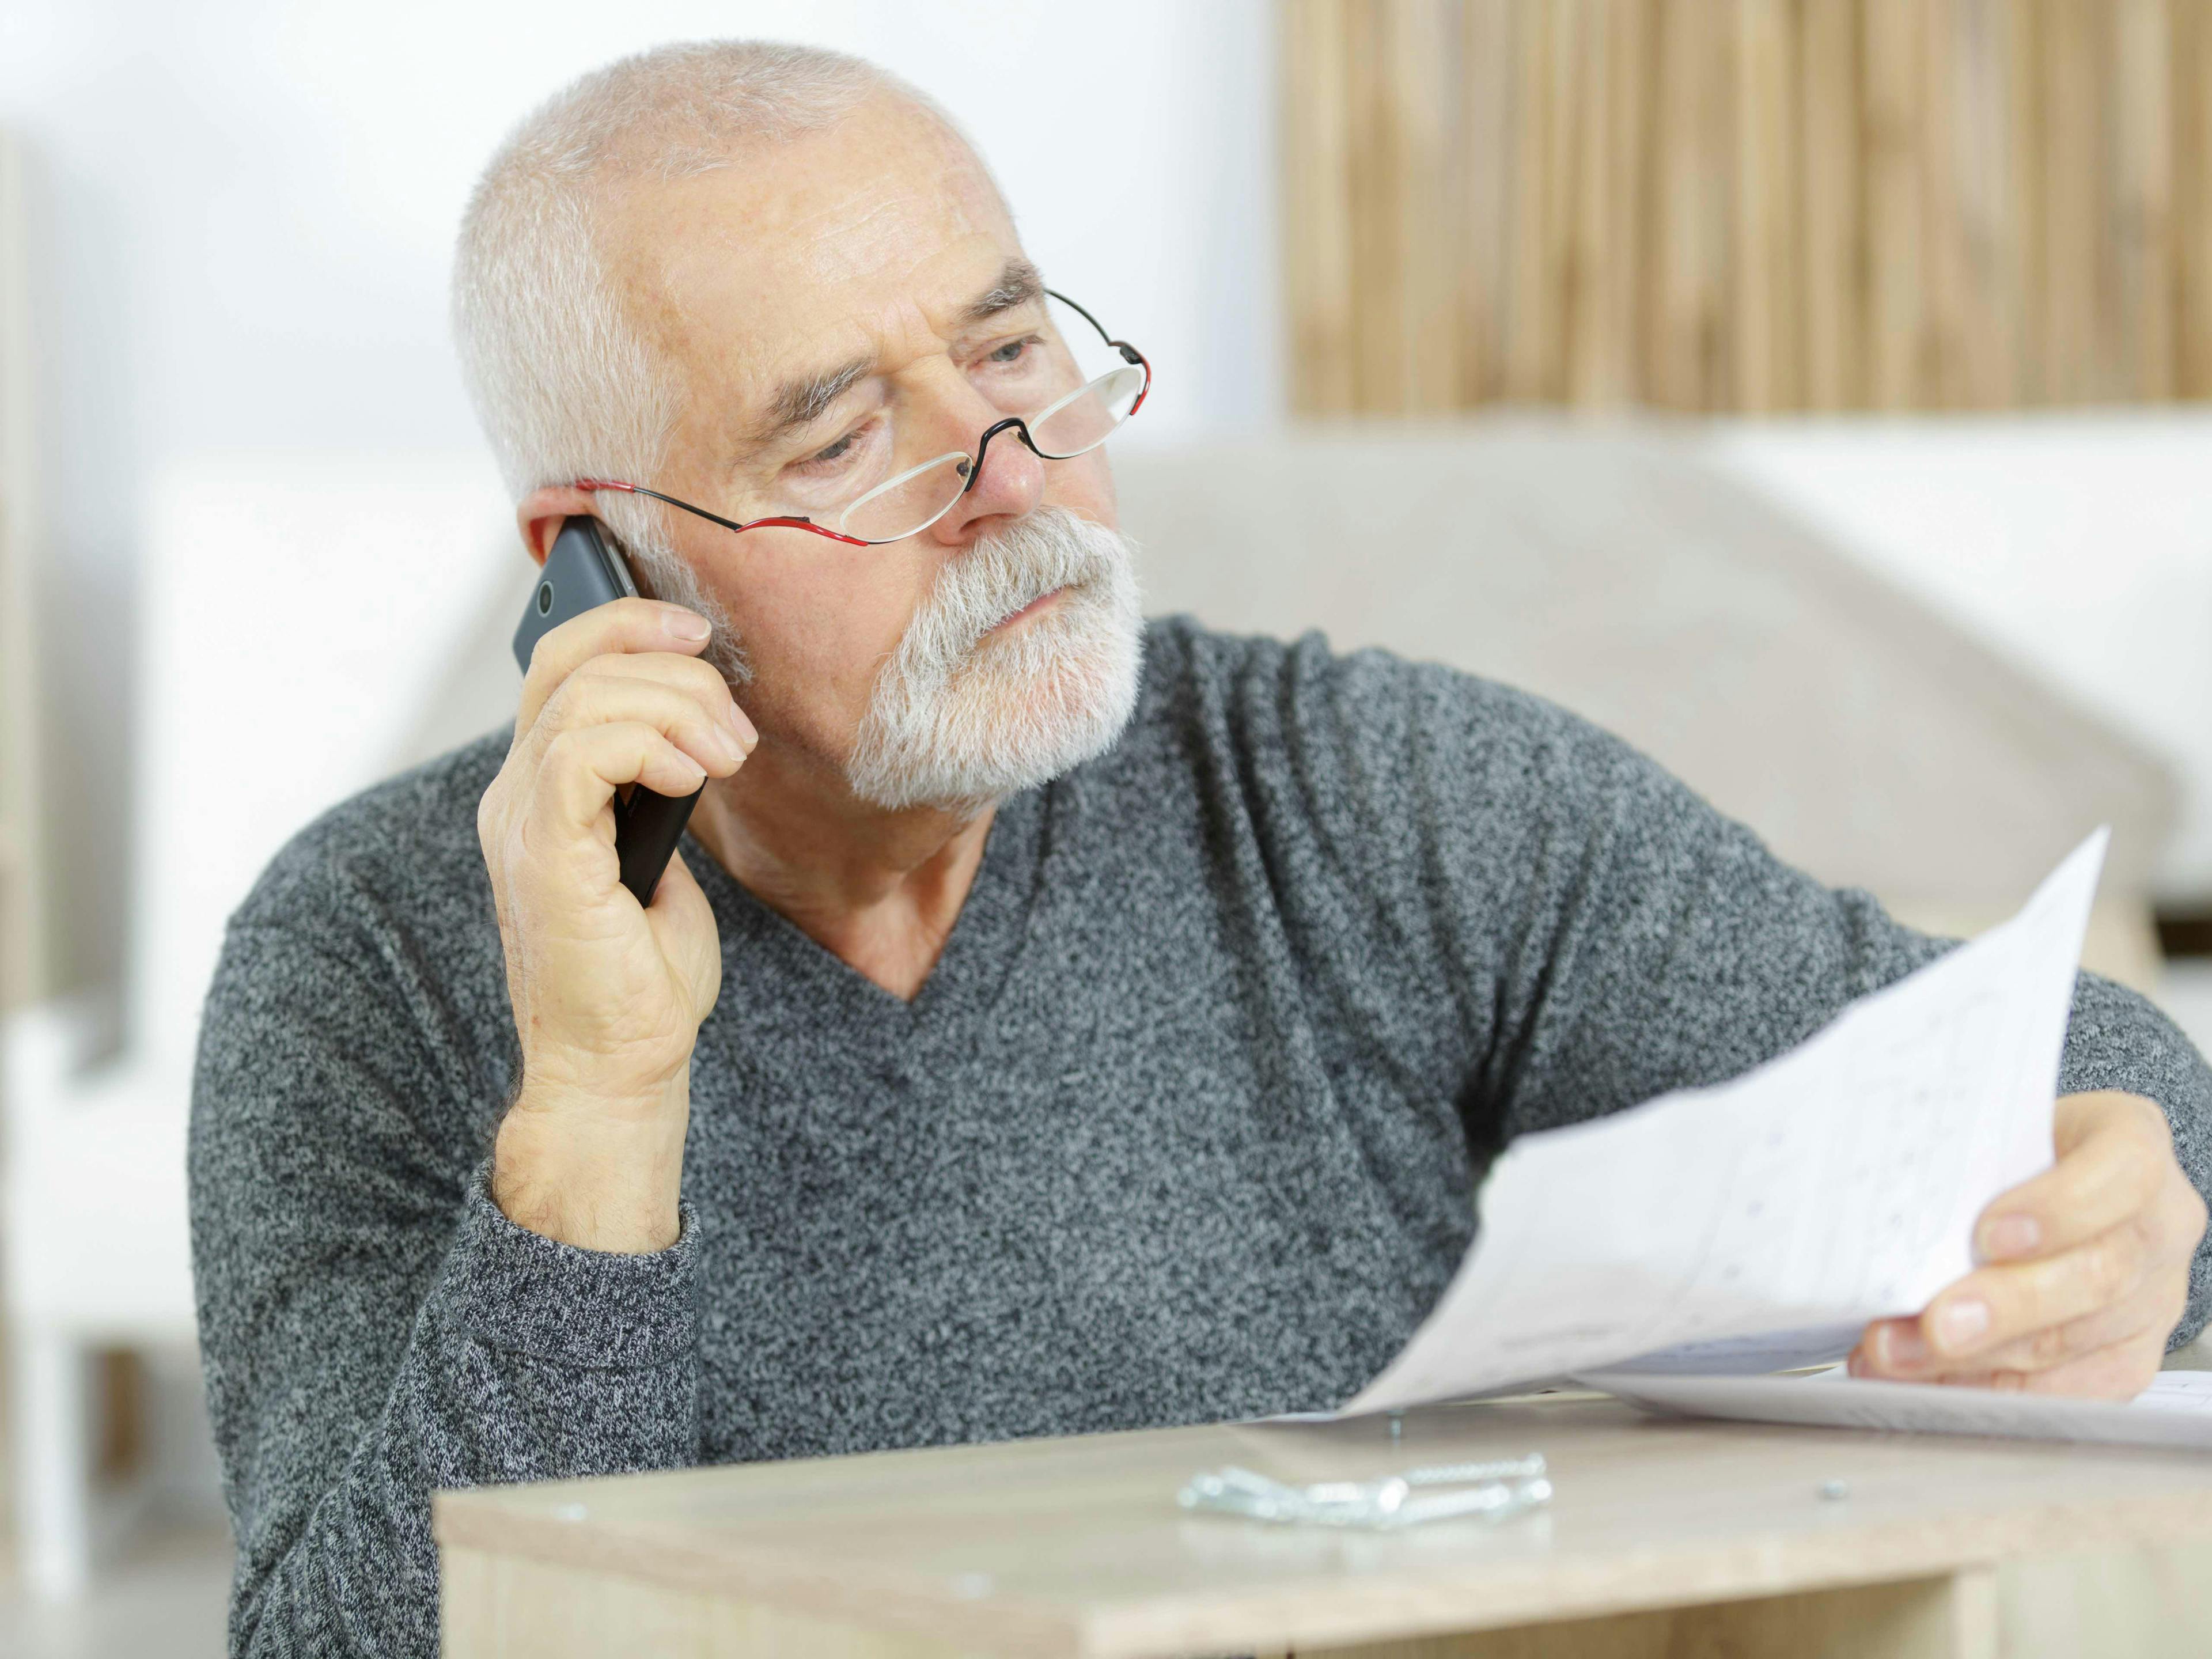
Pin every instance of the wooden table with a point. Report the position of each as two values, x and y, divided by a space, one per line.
1668 1538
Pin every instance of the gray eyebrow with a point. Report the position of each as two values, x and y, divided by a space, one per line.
804 401
1018 285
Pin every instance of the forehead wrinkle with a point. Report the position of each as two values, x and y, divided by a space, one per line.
734 266
872 205
803 399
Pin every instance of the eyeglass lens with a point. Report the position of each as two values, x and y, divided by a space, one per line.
1058 374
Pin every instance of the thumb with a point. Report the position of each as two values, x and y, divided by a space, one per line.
682 923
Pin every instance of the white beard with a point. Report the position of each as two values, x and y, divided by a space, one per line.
959 719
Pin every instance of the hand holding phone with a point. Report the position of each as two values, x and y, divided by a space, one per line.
583 571
608 993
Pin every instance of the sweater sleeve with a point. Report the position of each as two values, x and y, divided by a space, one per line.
1594 933
372 1326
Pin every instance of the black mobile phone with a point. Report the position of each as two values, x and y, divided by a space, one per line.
585 569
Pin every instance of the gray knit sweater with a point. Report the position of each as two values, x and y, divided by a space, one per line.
1185 1124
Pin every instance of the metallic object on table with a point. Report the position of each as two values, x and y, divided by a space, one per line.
1490 1491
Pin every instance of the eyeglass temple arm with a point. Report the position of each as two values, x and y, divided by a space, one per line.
1129 353
594 485
1133 355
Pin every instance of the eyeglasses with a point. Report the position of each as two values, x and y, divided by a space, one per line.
1064 394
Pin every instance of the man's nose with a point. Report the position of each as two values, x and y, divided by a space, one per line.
1010 483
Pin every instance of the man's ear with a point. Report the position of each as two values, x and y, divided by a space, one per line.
540 515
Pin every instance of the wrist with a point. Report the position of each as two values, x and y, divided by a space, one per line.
597 1173
606 1088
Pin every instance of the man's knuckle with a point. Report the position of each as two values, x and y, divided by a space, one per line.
2149 1120
2146 1169
2049 1346
590 689
2138 1239
2074 1283
2194 1214
558 711
563 753
2172 1308
661 677
2117 1261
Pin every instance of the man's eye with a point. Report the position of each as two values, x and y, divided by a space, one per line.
834 454
1011 351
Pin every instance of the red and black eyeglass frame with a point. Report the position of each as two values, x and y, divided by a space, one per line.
1014 423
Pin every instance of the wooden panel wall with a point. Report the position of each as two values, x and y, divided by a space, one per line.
1747 205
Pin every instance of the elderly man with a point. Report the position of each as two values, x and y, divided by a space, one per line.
1050 1023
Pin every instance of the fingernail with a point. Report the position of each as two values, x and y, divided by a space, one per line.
683 624
1903 1344
1957 1323
742 726
2008 1235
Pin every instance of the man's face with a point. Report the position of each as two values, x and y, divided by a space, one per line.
819 296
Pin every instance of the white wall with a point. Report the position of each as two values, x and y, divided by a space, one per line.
242 220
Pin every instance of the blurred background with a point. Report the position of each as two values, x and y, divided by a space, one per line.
1811 390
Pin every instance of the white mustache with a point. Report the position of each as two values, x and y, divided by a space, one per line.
1050 548
957 720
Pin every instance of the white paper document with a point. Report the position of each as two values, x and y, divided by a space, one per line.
2176 1410
1758 1225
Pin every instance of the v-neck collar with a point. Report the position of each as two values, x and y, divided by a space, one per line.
765 955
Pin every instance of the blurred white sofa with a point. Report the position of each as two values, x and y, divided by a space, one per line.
311 625
296 614
2077 542
1625 573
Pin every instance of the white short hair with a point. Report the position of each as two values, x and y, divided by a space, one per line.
564 383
